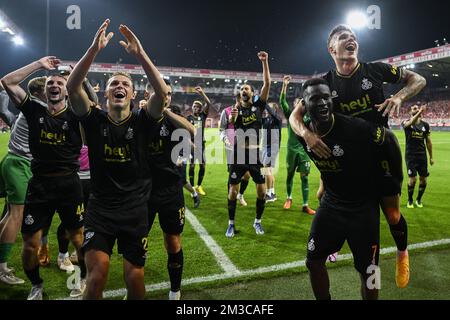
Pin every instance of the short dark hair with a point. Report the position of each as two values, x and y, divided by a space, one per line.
337 29
120 73
313 82
175 109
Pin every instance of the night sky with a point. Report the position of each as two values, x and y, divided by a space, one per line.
223 34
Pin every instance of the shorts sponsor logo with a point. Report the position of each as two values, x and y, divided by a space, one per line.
233 175
311 245
29 220
338 151
409 172
366 84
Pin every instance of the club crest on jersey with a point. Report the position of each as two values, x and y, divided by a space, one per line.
29 220
311 245
164 132
89 235
423 129
65 126
366 84
338 151
253 109
130 134
334 94
41 120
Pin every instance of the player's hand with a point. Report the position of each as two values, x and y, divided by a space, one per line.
390 106
49 63
431 162
133 45
97 88
199 90
101 40
316 145
287 80
263 56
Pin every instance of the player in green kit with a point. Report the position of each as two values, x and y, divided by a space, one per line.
297 159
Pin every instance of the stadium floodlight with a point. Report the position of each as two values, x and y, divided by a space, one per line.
412 66
18 41
357 19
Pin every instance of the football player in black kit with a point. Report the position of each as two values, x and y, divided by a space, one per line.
167 198
357 90
349 207
55 143
247 119
417 133
120 175
198 120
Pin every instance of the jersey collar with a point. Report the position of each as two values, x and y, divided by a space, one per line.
351 74
121 122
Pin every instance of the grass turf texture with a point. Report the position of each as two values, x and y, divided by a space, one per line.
284 241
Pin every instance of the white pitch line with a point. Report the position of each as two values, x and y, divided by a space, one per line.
221 257
262 270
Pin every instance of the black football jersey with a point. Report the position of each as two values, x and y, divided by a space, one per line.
118 158
357 94
349 174
249 121
54 139
199 123
415 139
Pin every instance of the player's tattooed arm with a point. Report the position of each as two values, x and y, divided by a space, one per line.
11 82
179 122
158 100
265 90
201 92
7 116
312 140
414 84
79 99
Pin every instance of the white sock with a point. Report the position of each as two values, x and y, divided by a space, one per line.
257 220
239 196
3 266
289 197
230 222
272 191
62 256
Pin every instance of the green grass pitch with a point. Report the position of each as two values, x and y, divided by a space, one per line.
284 242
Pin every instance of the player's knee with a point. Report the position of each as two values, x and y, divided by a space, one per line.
173 243
392 215
314 265
423 181
232 194
412 181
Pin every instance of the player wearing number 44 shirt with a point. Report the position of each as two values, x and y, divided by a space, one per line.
357 90
120 174
418 141
55 143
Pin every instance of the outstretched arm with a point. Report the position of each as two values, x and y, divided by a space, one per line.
265 90
158 100
11 82
179 122
200 91
283 102
79 99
